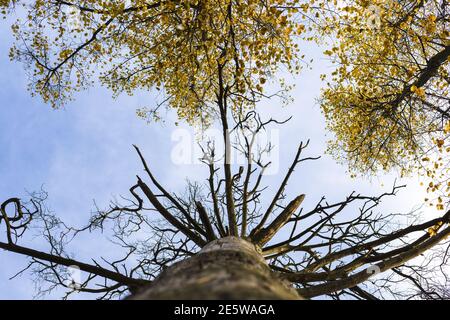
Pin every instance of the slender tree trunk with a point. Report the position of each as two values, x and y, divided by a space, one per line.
228 268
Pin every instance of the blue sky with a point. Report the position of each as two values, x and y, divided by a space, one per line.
84 152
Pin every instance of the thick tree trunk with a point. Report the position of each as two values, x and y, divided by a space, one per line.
228 268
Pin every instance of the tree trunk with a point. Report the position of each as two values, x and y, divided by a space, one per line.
228 268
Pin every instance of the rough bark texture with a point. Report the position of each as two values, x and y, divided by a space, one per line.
228 268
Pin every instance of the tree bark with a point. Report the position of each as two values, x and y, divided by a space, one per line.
229 268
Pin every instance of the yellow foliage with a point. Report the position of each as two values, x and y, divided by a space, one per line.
176 46
434 229
389 90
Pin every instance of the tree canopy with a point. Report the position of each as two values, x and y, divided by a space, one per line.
387 102
178 47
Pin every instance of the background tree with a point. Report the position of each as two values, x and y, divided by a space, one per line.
387 101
